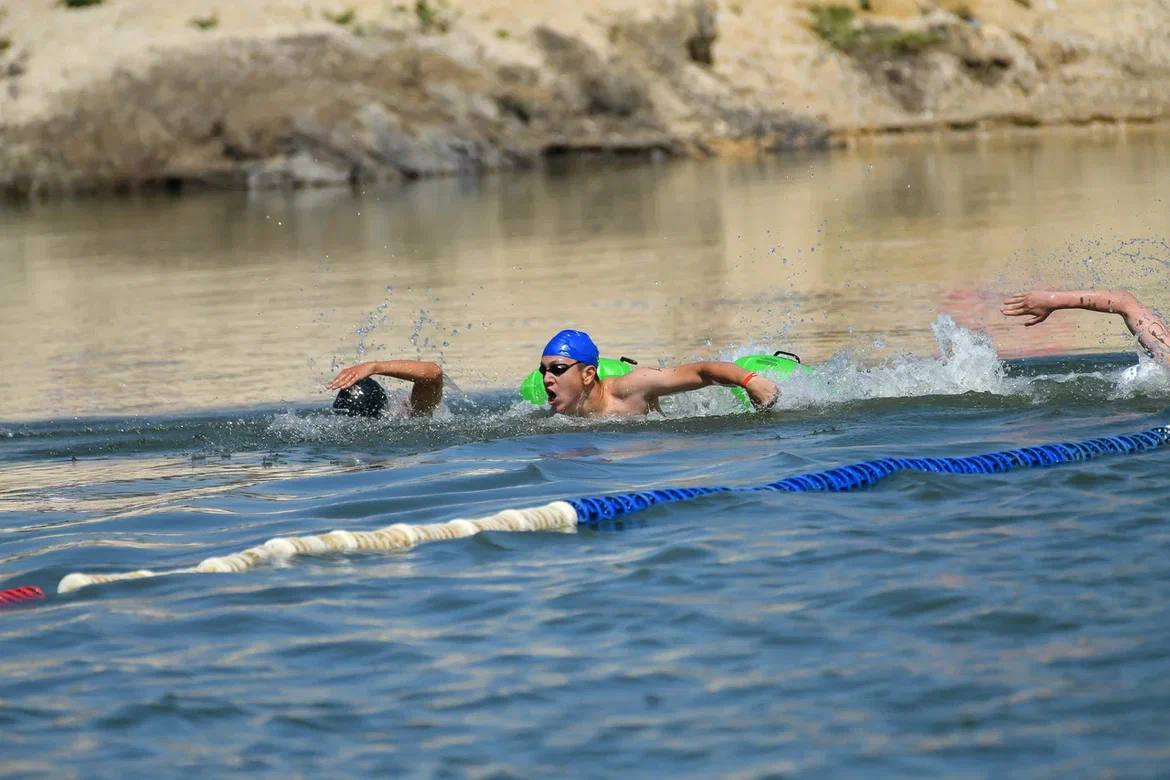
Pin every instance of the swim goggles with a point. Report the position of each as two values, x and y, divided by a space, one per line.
556 369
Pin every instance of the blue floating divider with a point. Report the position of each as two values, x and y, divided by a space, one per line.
596 509
562 516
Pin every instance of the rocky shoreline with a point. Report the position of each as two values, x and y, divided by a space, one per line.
295 95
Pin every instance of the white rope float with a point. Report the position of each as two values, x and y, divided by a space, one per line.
558 516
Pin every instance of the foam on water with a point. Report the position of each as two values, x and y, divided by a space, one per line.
1148 377
967 363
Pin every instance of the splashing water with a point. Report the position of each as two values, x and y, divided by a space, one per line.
967 363
1148 377
374 320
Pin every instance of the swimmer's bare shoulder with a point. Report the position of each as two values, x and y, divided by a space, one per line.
632 393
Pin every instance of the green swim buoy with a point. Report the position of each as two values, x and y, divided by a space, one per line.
778 365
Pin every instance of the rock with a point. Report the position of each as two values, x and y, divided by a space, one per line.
988 54
589 84
299 169
320 104
898 9
964 9
13 61
701 43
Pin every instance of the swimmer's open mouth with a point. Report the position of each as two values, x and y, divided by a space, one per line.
551 395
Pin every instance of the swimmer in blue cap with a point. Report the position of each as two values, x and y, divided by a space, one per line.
1142 321
569 367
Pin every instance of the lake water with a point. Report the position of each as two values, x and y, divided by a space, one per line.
163 370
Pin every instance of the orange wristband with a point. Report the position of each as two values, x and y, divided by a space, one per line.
744 382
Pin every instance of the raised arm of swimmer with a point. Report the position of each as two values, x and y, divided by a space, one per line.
651 384
427 378
1142 321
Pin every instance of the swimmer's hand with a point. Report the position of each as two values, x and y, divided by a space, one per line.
352 375
427 379
763 393
1037 304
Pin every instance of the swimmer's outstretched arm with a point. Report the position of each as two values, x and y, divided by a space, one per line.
652 383
427 378
1142 321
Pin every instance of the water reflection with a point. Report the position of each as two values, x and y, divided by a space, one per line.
146 305
94 491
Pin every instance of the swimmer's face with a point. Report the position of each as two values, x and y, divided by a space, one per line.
565 381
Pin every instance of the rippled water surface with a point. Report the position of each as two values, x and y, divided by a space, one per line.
163 370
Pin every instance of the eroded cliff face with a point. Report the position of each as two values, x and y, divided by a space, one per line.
130 93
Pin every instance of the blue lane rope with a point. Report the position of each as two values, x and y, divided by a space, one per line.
861 475
567 516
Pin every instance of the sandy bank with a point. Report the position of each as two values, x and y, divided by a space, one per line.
131 93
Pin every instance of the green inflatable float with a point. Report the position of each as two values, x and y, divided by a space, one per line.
776 366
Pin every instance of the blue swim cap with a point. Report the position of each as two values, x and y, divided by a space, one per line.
574 344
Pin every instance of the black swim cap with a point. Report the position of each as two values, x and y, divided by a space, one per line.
361 399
